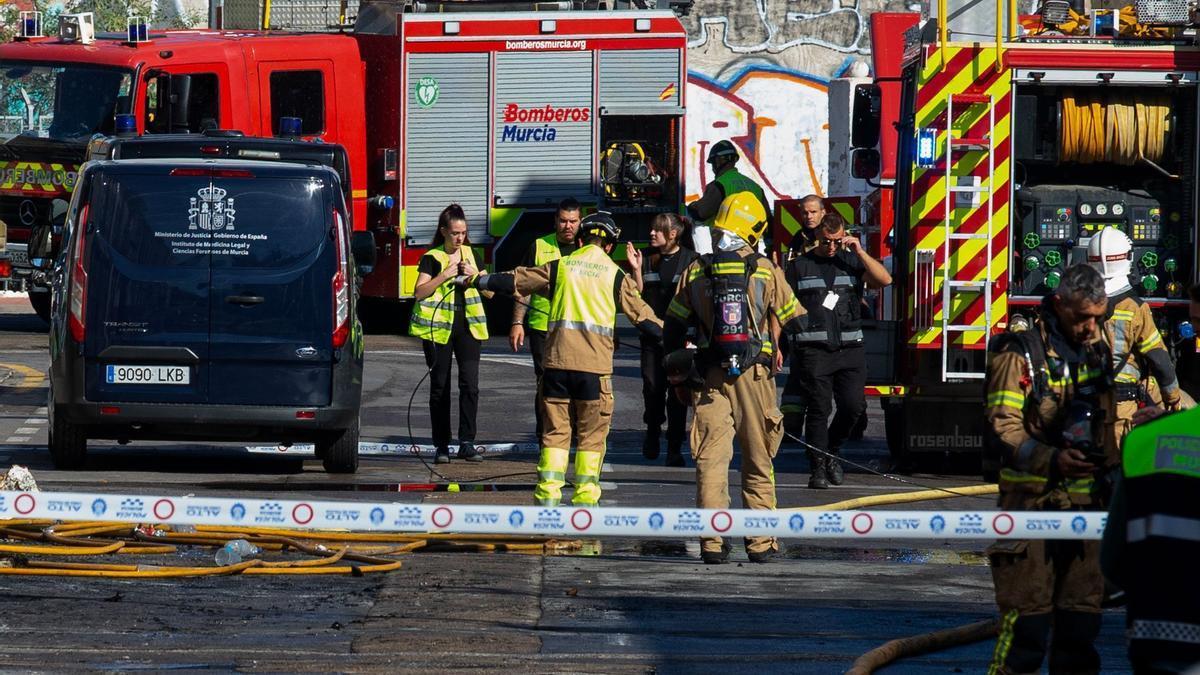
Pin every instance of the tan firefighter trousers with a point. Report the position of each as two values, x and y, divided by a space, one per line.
744 408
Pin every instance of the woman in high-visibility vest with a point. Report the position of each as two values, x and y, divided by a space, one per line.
450 321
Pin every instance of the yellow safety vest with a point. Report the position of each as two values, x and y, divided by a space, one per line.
583 292
544 250
433 317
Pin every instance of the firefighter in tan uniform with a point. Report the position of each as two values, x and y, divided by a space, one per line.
1048 389
730 297
1138 350
586 290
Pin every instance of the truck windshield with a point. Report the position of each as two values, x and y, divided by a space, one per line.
62 102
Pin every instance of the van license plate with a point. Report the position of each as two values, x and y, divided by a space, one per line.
148 375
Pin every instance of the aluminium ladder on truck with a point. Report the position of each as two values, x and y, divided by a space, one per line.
966 186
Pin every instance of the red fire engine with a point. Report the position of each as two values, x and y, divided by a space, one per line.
992 164
504 112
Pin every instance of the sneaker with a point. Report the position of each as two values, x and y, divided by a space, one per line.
650 443
442 455
467 451
715 557
762 556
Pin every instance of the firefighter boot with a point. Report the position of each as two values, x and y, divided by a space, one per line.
1072 647
717 557
650 443
1022 643
833 467
818 480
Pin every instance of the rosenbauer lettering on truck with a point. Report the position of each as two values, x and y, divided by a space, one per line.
514 115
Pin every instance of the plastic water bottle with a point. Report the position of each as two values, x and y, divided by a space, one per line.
234 551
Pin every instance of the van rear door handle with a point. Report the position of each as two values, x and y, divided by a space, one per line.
244 299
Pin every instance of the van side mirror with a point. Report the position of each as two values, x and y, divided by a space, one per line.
362 247
866 117
864 163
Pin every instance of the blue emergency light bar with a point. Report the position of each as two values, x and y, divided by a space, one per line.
926 148
125 125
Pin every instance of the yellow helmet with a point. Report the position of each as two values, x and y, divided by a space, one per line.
742 214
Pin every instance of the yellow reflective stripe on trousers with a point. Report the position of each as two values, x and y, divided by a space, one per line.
1003 642
552 474
588 464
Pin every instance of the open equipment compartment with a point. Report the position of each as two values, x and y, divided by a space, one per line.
1103 149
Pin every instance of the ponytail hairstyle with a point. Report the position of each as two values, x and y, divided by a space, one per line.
448 215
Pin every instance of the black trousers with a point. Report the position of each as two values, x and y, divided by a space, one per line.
794 404
465 349
831 376
661 404
537 348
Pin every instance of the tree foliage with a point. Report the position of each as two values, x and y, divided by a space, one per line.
111 16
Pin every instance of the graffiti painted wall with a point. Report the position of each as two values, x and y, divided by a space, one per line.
758 74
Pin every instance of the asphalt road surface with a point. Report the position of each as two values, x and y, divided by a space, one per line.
616 606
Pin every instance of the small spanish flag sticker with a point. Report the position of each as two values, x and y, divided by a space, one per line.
667 93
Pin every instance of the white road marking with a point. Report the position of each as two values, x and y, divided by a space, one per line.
17 439
41 411
26 430
36 420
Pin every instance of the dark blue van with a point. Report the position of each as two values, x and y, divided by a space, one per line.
206 300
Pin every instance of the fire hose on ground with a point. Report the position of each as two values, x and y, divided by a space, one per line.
367 552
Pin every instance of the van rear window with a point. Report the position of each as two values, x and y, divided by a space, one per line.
157 220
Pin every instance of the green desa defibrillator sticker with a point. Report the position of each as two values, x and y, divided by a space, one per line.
427 92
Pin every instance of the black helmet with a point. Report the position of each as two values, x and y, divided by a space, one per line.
600 224
722 149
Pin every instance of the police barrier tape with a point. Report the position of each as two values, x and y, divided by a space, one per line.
424 450
563 520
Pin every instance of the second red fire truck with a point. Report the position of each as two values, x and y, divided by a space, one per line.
992 165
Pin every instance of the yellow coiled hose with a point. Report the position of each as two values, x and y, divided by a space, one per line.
1108 128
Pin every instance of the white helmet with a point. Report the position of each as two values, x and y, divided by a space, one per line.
1111 254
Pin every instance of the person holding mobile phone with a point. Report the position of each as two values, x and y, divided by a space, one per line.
452 325
827 358
1048 390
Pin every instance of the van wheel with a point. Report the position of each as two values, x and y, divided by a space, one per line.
339 452
68 443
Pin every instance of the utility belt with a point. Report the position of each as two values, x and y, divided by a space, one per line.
711 357
1127 392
